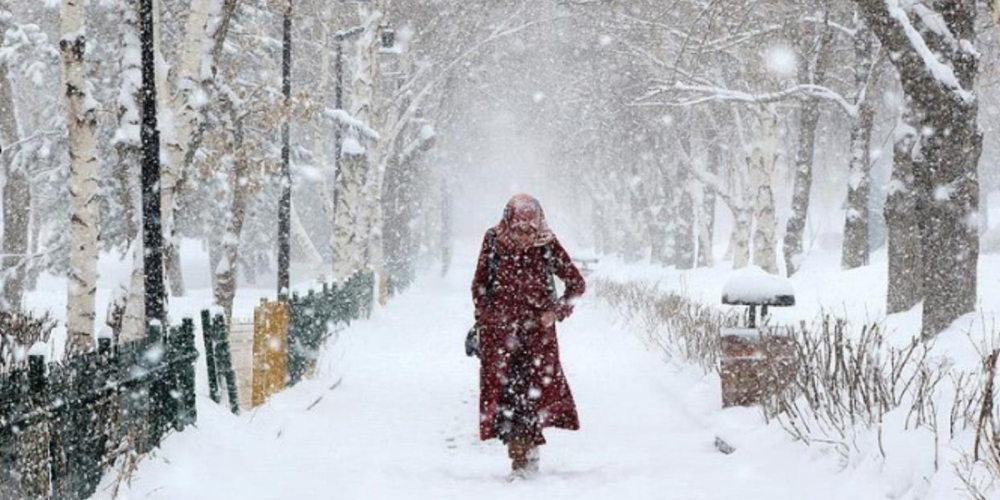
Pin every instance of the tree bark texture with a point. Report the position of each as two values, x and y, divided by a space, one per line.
905 288
855 248
945 171
808 116
81 120
762 163
16 198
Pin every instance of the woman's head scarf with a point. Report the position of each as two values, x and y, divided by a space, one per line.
524 211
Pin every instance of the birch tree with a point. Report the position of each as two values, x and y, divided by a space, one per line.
81 120
763 159
16 190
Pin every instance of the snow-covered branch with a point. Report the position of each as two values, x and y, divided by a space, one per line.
941 72
703 94
346 120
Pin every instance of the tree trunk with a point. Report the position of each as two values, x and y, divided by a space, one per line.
855 249
706 210
346 244
762 164
81 120
740 239
353 215
946 171
128 146
802 185
228 250
188 115
16 199
905 288
683 225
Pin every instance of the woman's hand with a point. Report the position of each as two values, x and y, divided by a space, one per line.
548 318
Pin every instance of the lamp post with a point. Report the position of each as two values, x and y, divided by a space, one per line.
152 232
285 203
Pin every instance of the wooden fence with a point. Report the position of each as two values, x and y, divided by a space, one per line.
62 424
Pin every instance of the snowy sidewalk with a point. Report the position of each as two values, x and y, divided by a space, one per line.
403 425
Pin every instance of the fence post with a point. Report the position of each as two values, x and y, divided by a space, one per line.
33 457
186 355
209 337
152 359
226 362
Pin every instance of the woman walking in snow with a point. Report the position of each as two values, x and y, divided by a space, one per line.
522 388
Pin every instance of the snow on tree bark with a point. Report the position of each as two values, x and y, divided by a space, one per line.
353 214
81 120
905 288
763 159
128 146
855 247
225 267
16 196
937 68
186 106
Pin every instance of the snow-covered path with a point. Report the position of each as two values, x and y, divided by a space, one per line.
401 424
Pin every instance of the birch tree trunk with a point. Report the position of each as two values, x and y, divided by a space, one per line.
187 110
905 288
228 249
81 120
762 163
16 197
855 250
353 214
129 150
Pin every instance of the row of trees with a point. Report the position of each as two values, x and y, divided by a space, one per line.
660 112
695 102
265 109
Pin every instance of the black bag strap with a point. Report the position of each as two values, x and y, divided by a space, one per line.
492 264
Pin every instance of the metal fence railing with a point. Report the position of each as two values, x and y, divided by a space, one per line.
62 423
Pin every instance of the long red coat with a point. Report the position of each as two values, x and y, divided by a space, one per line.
513 320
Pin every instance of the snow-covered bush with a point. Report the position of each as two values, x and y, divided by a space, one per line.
681 328
905 412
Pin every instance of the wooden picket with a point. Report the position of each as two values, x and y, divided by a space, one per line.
270 350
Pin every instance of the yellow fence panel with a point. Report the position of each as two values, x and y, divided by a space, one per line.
270 350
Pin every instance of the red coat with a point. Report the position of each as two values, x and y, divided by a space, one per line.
513 317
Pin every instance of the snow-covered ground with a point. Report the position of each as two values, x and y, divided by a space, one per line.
393 409
393 414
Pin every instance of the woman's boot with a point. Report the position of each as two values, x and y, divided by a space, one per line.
518 453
